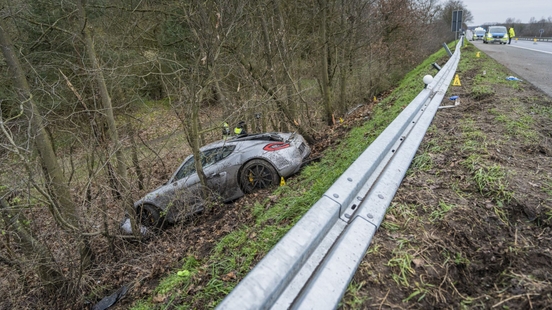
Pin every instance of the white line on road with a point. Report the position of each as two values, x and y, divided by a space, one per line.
532 49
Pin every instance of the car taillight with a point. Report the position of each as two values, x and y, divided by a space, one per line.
276 146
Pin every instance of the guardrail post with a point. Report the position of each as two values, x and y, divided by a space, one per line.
447 49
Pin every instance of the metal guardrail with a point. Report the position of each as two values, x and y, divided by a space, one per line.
535 39
312 265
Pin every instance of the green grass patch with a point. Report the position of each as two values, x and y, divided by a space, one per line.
390 226
422 162
402 210
422 289
547 186
401 263
440 211
179 280
544 110
475 140
482 91
491 181
519 124
355 299
457 258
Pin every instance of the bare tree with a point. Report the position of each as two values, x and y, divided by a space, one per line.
58 195
96 71
324 74
14 221
192 80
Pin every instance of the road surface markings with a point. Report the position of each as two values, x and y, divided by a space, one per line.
531 49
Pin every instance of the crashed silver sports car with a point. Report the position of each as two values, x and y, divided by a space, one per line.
232 167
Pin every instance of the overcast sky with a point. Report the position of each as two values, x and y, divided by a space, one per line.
488 11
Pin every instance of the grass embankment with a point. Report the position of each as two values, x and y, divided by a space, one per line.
232 258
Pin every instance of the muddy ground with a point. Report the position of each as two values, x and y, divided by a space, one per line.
446 243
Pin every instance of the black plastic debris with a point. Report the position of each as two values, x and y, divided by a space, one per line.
111 299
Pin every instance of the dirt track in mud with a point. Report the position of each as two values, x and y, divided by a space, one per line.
470 227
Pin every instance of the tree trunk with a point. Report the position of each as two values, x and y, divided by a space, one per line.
64 209
122 181
346 55
194 138
61 205
326 96
286 59
135 161
45 264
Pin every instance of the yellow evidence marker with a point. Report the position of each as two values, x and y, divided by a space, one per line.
456 81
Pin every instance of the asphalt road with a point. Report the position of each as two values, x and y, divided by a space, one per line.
530 62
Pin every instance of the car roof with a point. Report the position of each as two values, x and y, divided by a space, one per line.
496 28
266 137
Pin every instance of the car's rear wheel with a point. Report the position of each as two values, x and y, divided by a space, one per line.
149 216
257 174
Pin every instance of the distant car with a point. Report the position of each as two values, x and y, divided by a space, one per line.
496 34
232 167
478 34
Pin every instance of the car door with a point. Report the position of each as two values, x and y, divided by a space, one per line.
187 185
217 170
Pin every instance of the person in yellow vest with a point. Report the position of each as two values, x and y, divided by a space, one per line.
511 34
240 129
225 131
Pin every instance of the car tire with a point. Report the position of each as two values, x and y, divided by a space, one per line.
257 174
149 216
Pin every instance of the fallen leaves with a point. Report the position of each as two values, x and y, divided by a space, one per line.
229 276
159 298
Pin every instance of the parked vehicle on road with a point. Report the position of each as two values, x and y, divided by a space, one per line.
496 34
232 167
478 34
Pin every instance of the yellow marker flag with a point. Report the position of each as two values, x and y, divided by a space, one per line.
456 81
477 55
282 181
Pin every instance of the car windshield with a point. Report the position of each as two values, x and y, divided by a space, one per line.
497 29
208 158
480 32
